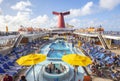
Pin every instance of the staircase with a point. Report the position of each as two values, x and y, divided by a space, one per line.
103 42
18 41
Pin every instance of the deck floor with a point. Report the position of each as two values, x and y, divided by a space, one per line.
94 78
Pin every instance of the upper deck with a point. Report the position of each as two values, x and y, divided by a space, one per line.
107 34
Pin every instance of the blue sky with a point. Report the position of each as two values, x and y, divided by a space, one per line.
38 13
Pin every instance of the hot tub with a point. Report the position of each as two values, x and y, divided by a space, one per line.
56 75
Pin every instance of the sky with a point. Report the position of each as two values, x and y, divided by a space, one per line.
38 13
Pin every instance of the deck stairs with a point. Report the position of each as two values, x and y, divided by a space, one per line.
103 42
17 42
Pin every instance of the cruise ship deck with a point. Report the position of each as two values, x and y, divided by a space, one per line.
57 42
54 47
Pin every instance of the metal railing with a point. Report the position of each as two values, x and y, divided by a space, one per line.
117 33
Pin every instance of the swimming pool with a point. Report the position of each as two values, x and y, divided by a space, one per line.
54 52
58 49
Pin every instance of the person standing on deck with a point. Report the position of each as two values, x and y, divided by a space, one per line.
7 78
23 78
75 71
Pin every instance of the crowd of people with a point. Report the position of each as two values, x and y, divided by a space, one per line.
8 77
53 69
103 61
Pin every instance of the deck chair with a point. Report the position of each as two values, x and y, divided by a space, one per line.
6 57
3 71
2 59
100 56
13 65
5 66
1 55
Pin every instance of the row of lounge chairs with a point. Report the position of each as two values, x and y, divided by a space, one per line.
8 62
116 42
99 54
8 66
105 58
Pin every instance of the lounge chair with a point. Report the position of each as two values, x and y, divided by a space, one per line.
13 65
5 66
3 71
2 59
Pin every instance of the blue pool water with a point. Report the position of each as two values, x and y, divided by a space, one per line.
56 54
59 45
53 51
57 49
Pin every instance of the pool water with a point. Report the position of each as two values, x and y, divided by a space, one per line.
56 54
58 49
53 51
59 45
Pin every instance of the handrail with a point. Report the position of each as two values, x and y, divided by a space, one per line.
18 41
40 74
102 41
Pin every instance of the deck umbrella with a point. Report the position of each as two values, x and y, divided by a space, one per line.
76 59
31 59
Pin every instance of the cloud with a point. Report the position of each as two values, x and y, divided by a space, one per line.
84 23
109 4
22 6
0 11
1 1
75 22
23 18
44 21
40 21
13 22
85 10
0 8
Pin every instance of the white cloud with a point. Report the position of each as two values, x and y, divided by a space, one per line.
0 11
75 22
1 1
23 18
85 23
0 8
44 21
85 10
13 22
109 4
22 6
39 21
